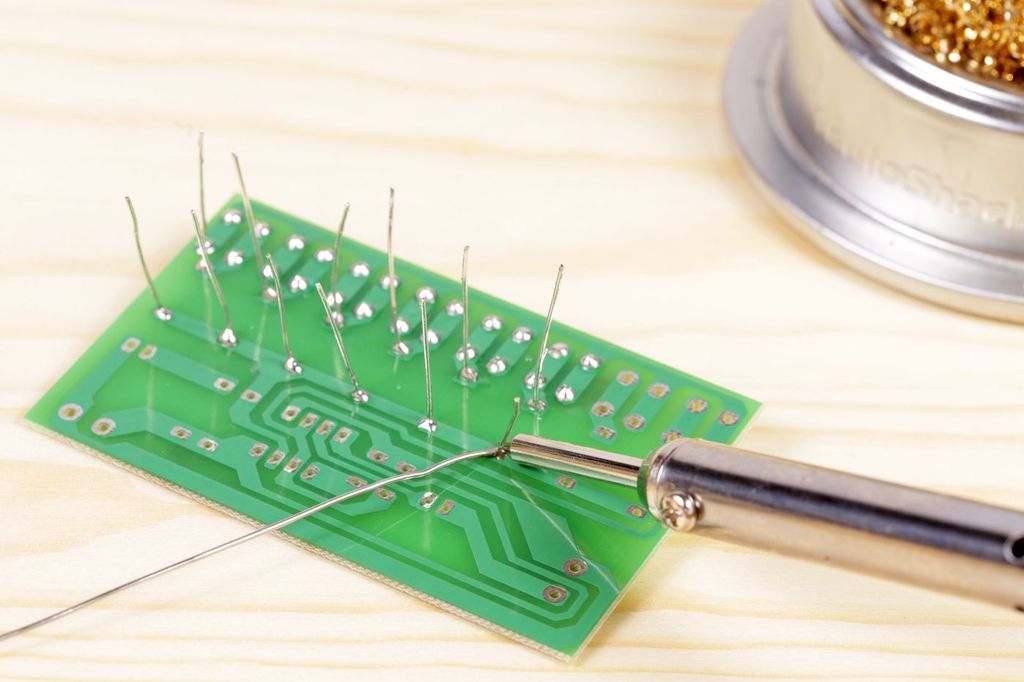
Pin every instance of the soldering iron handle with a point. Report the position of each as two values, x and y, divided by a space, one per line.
918 537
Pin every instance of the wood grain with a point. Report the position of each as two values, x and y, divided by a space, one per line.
540 132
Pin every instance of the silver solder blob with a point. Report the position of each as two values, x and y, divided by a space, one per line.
227 338
522 335
531 380
565 393
337 316
497 365
365 310
559 350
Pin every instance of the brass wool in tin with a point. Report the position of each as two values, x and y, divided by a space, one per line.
982 37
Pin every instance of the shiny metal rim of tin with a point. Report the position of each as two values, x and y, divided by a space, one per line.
810 80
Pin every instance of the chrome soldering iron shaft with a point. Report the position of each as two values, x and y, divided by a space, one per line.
936 541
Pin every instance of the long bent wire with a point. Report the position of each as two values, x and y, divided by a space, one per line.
309 511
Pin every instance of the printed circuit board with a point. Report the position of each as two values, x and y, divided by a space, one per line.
539 556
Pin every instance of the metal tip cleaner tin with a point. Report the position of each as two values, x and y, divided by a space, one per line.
906 170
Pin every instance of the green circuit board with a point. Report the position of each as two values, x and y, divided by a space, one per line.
537 555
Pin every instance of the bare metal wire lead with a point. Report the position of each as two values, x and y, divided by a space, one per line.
358 394
503 445
335 296
161 311
427 423
467 373
253 230
202 185
291 363
227 338
392 282
538 373
288 520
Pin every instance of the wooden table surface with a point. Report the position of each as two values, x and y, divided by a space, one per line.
539 132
